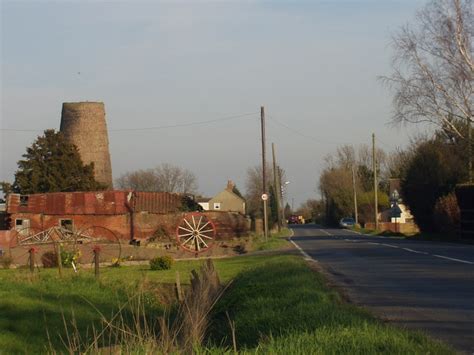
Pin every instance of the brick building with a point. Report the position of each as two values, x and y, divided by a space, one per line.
130 215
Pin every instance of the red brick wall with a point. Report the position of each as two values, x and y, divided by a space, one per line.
228 225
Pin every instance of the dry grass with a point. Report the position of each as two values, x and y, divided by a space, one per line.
180 330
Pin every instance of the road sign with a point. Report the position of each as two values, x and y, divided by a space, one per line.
264 197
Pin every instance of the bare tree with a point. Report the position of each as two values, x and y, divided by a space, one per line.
253 187
163 178
433 67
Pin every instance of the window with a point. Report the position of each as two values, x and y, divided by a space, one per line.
217 205
66 224
22 225
24 200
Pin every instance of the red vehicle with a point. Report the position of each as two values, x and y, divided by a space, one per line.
294 219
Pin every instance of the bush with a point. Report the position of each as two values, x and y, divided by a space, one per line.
447 215
68 257
6 261
49 259
161 263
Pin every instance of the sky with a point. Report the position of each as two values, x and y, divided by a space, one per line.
313 65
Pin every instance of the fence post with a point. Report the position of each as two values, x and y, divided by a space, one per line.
32 259
59 259
179 292
96 261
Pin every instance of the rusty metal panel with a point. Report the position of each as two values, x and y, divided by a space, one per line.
157 202
56 203
78 202
13 202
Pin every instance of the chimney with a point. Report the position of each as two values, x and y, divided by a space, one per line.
230 185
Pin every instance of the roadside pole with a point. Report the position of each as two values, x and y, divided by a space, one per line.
356 214
276 187
374 165
264 175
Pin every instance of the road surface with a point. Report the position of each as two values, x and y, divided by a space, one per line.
416 284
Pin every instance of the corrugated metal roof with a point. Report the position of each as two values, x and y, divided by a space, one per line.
98 203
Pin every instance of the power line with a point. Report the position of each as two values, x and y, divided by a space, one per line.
189 124
317 140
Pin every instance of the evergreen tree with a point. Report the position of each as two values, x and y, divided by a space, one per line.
52 164
273 215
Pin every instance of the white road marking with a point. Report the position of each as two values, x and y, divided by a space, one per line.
453 259
415 251
305 255
390 245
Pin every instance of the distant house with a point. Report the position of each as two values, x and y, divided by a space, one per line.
203 202
226 201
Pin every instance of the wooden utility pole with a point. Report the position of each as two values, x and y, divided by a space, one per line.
280 191
264 174
374 165
276 187
356 214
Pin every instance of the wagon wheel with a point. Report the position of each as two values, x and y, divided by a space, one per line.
27 238
100 239
196 232
43 241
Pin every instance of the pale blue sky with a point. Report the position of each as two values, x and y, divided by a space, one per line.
312 64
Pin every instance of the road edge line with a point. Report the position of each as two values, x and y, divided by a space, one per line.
303 253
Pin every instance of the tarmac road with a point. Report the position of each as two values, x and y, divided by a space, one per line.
417 284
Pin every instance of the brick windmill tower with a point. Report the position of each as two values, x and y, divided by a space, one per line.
84 125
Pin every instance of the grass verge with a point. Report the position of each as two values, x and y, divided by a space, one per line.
278 306
276 241
282 307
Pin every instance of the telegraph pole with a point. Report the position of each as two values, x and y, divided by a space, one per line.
282 208
374 165
276 186
356 214
264 175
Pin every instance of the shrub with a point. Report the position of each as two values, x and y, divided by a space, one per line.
6 261
68 257
49 259
447 215
161 263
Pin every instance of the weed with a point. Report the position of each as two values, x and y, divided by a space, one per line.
161 263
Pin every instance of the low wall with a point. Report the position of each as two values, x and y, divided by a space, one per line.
145 225
405 228
5 239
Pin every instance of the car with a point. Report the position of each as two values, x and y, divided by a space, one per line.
347 222
293 220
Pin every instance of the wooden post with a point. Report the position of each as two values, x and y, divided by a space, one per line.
59 259
356 214
96 261
179 292
32 259
276 187
264 175
376 202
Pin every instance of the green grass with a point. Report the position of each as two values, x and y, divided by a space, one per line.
32 305
275 241
278 304
282 307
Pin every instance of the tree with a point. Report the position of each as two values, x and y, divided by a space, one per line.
311 209
336 184
433 67
254 188
433 172
163 178
52 164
